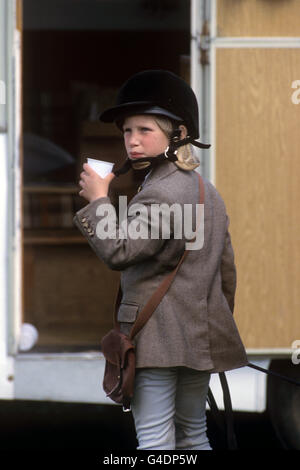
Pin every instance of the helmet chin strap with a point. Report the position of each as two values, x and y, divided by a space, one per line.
169 154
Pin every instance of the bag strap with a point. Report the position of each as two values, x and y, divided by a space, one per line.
156 297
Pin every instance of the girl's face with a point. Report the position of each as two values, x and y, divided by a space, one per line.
143 137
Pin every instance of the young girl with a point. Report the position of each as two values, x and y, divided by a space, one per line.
192 332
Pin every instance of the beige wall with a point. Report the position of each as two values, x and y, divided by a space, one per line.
258 171
258 18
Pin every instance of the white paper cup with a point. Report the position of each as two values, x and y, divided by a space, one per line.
100 167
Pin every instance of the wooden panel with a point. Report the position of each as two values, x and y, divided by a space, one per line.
258 18
19 15
69 294
258 174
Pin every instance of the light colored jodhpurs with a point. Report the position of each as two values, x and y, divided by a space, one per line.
169 408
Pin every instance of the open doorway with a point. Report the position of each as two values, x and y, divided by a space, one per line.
76 53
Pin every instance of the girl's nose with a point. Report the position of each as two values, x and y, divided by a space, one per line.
133 139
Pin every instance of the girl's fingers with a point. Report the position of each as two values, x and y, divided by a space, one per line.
88 170
110 177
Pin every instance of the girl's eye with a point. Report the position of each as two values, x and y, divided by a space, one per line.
145 129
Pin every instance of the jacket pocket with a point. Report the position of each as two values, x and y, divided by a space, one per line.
128 312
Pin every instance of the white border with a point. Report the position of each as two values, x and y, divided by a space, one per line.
195 70
14 180
8 210
267 42
3 75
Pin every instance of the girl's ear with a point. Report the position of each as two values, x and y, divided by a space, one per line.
183 131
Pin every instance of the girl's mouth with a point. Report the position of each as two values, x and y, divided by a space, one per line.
134 155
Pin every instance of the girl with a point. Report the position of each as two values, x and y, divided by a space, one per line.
192 332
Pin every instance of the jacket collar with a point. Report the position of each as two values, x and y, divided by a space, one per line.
161 171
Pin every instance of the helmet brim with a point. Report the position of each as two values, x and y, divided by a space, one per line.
121 111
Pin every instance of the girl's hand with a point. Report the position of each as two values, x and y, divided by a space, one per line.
93 186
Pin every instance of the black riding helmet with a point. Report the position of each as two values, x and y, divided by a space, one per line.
158 92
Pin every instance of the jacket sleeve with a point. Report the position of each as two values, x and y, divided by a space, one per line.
119 244
228 270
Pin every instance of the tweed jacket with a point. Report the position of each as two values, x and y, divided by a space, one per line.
193 326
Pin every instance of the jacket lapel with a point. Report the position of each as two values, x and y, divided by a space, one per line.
161 171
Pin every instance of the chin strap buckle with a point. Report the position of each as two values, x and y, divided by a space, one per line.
172 153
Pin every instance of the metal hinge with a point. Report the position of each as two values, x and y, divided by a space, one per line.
203 43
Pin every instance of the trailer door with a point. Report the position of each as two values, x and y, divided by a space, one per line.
253 56
10 175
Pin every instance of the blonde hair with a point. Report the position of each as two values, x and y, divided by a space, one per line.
187 160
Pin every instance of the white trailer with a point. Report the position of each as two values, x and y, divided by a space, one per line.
243 63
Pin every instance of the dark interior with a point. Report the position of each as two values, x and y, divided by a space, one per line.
69 75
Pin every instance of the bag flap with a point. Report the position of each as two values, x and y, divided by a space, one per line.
114 347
